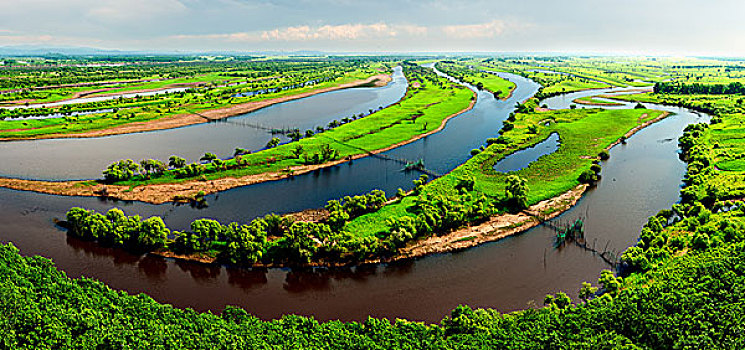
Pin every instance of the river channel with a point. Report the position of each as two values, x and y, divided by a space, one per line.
641 177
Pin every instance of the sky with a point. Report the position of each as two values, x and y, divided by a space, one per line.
627 27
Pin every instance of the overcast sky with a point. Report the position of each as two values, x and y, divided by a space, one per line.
661 27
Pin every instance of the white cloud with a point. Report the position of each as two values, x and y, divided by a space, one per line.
359 31
352 31
475 31
230 37
330 32
26 39
133 10
413 30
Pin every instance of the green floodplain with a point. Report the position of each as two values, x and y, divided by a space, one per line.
681 286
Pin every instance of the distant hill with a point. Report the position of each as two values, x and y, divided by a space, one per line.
35 50
46 51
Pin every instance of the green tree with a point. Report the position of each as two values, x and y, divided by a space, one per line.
301 240
604 155
273 142
516 192
208 230
562 301
610 283
176 162
246 243
121 171
208 157
153 166
240 151
588 177
153 233
298 151
587 291
124 229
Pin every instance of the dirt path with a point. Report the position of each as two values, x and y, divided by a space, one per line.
181 120
162 193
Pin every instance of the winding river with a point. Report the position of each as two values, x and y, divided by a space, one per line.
505 275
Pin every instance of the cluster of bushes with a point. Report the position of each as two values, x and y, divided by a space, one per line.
439 213
527 107
432 214
697 153
325 154
592 175
122 170
350 207
269 239
734 88
117 229
127 169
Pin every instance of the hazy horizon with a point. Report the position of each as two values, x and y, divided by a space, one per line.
667 28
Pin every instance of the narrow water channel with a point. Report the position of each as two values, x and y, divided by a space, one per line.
639 179
524 157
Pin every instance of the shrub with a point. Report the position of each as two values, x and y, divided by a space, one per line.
604 155
588 177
